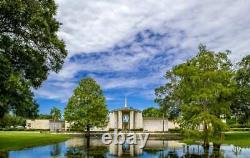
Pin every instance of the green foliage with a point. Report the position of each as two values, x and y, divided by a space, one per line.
29 50
202 88
168 104
15 96
55 114
152 112
44 116
241 104
11 121
87 106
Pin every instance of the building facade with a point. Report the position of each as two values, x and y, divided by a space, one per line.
129 119
45 124
125 119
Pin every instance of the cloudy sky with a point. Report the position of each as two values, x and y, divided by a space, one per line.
128 45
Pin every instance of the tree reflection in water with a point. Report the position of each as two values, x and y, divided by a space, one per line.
165 151
4 154
237 150
56 150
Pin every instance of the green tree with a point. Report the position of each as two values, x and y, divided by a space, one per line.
169 107
12 121
203 88
87 106
44 116
29 50
241 104
152 112
55 114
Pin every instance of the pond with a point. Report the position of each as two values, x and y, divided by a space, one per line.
75 147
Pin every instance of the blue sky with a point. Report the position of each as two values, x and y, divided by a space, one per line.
127 46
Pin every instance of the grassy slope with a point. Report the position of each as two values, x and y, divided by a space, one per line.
19 140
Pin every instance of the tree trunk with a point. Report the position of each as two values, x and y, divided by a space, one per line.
206 142
54 128
216 150
206 152
87 135
163 123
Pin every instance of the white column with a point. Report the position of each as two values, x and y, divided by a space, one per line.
114 120
131 120
140 120
119 119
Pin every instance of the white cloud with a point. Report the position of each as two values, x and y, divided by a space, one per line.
95 26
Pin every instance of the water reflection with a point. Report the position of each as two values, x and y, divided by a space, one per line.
56 150
76 147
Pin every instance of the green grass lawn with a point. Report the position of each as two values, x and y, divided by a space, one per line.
241 139
11 140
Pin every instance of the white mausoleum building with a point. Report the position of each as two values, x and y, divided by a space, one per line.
125 118
131 119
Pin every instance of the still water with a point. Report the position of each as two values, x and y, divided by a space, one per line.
75 147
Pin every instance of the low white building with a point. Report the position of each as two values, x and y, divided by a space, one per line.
126 118
45 124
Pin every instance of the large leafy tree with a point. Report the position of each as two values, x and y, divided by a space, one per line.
241 105
202 87
29 50
87 106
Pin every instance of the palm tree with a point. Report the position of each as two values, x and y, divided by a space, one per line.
56 115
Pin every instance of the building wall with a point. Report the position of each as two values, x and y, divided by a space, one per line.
56 125
155 125
138 120
113 120
38 124
43 124
147 124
